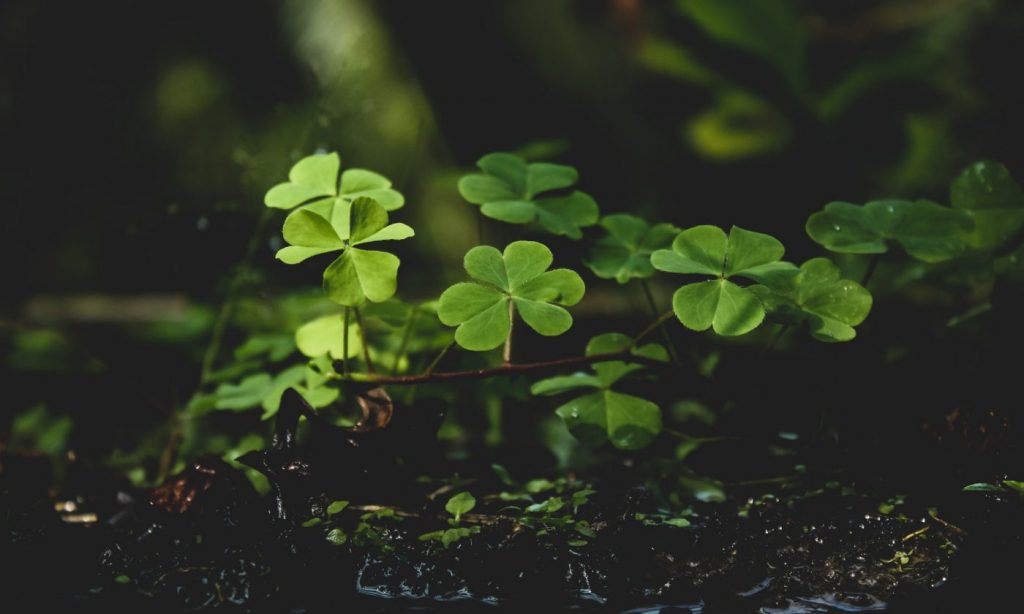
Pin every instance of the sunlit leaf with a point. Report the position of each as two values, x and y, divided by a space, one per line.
719 303
480 309
325 336
314 183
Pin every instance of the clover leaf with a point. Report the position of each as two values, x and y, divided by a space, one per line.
628 421
988 194
357 275
314 181
625 252
514 281
927 231
325 336
265 390
817 294
508 190
719 303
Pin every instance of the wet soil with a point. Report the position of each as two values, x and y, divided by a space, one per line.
207 540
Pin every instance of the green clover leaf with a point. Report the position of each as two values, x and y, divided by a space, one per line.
603 414
357 275
816 293
927 231
508 191
313 181
988 194
514 281
719 303
625 252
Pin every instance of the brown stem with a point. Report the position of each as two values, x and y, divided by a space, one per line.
429 376
362 338
504 370
506 356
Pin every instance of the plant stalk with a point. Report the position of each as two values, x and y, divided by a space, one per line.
504 370
506 355
362 338
651 328
672 352
406 335
344 343
870 271
437 360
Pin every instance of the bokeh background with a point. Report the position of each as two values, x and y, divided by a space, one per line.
140 138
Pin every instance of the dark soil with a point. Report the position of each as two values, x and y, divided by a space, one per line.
206 539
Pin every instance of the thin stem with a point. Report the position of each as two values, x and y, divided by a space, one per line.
506 355
779 334
438 358
504 370
344 344
362 338
651 328
406 335
672 352
870 271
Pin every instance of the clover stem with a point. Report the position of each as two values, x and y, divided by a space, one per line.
362 338
437 360
779 334
344 343
651 328
406 335
672 352
870 271
506 356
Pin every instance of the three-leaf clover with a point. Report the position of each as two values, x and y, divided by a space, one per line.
625 252
314 181
509 190
719 303
357 275
927 231
988 194
603 414
514 281
817 294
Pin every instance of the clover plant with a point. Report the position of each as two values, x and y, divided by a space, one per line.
720 303
625 252
818 295
509 190
987 193
358 274
927 231
603 414
314 182
516 280
739 280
